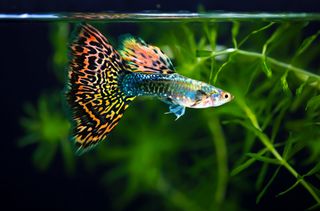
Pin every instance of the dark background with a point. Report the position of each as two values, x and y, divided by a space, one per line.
25 50
160 5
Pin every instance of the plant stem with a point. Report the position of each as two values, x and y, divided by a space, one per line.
222 161
268 144
269 59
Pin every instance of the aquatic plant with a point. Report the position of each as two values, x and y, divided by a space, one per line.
47 129
265 105
45 124
210 158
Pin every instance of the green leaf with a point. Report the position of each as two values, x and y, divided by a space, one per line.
246 164
219 70
203 53
290 188
250 114
68 156
284 82
28 139
314 207
278 119
313 103
211 34
59 36
310 80
263 158
314 170
212 67
255 32
277 34
266 68
287 148
262 175
301 87
306 43
264 190
43 155
234 32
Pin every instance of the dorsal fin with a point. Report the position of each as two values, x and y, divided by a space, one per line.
144 58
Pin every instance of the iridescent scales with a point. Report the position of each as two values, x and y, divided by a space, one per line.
103 82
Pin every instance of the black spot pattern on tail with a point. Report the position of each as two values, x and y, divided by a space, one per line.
144 58
94 96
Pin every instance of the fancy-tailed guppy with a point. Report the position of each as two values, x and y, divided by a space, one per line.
103 82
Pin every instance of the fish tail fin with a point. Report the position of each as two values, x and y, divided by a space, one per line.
96 101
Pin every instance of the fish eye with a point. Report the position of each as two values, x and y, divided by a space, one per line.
226 96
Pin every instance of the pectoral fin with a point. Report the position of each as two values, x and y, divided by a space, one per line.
177 110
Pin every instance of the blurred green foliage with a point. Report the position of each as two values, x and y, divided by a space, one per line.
206 160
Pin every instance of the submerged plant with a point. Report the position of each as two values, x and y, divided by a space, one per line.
270 112
270 108
207 160
47 129
45 124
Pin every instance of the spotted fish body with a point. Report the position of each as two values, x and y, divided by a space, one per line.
103 82
174 89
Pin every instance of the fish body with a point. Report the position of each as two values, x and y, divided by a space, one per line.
174 88
103 82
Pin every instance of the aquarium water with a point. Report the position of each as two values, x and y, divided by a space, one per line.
260 151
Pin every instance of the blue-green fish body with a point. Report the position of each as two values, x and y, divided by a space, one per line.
175 89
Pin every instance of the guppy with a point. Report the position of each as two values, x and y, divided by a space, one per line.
103 82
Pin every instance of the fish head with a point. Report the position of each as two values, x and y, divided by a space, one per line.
220 97
211 97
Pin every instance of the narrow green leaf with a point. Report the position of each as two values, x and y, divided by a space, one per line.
28 139
314 170
280 30
68 156
271 39
300 88
315 192
296 148
59 36
246 164
266 68
234 32
219 70
306 43
263 158
43 155
242 167
284 81
262 175
261 194
308 80
290 188
287 148
254 72
203 53
211 34
283 107
212 67
250 114
313 103
314 207
255 32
